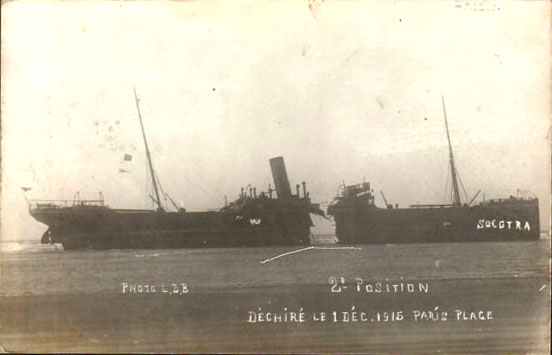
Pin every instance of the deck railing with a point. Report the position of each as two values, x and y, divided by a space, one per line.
52 204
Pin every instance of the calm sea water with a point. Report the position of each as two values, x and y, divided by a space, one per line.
29 268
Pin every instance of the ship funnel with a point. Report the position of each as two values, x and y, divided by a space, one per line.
278 167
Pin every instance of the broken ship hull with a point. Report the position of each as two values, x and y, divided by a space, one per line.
251 220
359 220
505 220
135 229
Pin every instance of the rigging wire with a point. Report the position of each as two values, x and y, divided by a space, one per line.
146 187
446 184
462 184
451 194
166 196
160 187
465 168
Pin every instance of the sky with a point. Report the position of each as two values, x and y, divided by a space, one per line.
345 91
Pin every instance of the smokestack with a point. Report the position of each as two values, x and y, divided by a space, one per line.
279 174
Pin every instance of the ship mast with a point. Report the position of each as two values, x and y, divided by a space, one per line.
456 197
155 189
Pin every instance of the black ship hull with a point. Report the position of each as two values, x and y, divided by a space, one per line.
505 220
137 229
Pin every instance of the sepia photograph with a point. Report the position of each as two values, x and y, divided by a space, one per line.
275 176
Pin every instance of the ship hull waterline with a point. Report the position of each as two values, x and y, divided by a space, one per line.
145 229
371 225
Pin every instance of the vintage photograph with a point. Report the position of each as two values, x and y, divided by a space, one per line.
275 176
